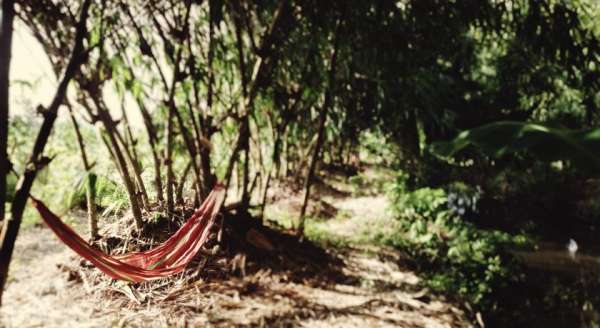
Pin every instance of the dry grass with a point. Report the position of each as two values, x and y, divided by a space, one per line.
295 284
366 291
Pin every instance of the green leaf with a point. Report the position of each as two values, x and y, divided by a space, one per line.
581 147
11 187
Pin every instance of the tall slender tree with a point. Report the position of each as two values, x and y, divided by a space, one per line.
37 160
6 30
327 104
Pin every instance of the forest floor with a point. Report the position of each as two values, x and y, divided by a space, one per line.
372 286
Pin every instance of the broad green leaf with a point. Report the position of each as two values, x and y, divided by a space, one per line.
581 147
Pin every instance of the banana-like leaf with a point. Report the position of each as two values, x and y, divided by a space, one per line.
580 147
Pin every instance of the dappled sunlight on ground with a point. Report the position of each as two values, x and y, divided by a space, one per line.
361 285
378 292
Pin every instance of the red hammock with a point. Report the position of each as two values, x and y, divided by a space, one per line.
167 259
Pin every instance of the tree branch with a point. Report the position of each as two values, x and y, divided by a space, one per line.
10 229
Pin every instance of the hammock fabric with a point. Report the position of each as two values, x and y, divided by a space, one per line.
167 259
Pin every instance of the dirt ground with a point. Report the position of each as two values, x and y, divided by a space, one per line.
372 288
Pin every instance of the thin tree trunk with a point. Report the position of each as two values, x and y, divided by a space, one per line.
276 163
150 131
239 179
321 134
305 157
170 101
263 203
169 161
90 198
260 170
246 175
6 29
181 184
244 137
36 161
157 176
90 187
137 171
113 146
208 178
254 183
191 148
170 138
153 140
261 70
169 132
133 157
196 142
311 169
120 161
286 151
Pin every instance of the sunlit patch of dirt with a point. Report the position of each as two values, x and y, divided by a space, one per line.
49 288
40 292
364 213
297 283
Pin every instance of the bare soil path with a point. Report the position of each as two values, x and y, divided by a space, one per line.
376 290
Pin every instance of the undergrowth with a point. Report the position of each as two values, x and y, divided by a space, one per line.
456 257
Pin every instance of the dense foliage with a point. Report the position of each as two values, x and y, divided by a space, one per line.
161 99
254 80
459 258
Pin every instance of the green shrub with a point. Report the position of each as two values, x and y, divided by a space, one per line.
457 258
109 194
357 182
11 186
